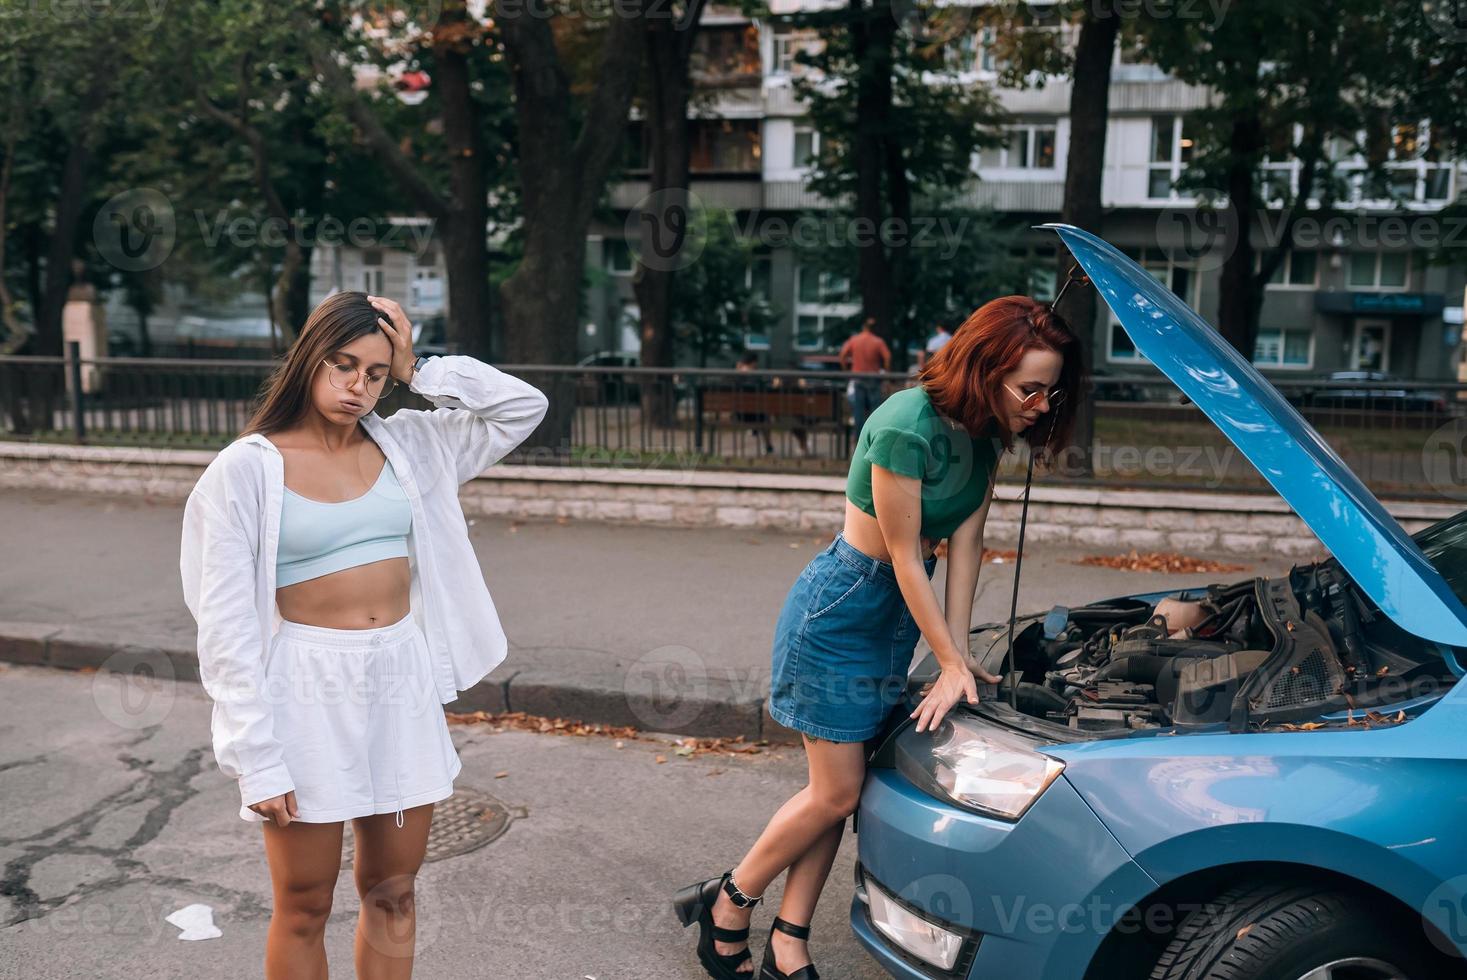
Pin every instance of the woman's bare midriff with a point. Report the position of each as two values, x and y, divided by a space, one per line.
362 597
864 534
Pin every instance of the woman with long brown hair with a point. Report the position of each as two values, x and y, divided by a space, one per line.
326 559
922 471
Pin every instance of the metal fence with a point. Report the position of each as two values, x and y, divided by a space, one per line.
1404 439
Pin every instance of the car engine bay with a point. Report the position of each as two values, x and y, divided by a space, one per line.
1262 651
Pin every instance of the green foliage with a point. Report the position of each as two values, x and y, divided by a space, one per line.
962 257
1312 74
941 120
713 302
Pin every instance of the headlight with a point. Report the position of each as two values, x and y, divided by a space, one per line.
976 766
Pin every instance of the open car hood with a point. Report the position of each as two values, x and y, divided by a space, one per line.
1369 544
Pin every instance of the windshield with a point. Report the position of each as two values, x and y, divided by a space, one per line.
1445 546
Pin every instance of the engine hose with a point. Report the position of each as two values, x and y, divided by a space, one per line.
1036 699
1141 668
1230 608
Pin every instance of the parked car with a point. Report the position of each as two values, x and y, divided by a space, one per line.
1108 388
430 336
609 388
1278 796
1338 394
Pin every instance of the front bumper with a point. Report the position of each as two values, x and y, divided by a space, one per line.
1033 899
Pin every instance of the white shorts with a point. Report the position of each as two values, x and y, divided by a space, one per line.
359 719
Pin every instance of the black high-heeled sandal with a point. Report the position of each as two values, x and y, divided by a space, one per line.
767 969
695 904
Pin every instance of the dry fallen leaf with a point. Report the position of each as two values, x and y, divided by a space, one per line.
1159 561
1244 931
521 721
500 775
661 759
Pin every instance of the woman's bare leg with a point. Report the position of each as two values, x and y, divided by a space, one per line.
805 822
385 867
802 886
304 860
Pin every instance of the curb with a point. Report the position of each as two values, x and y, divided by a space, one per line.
702 705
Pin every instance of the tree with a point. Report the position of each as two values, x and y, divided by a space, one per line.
71 63
898 129
713 305
669 38
1031 42
1289 80
565 153
457 48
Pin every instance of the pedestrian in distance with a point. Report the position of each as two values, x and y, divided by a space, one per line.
340 604
922 471
864 353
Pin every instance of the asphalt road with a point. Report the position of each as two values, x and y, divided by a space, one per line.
109 827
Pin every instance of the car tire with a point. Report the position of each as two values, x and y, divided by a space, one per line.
1289 932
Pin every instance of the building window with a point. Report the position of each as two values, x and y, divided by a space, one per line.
636 152
807 146
1378 270
1029 147
1171 152
425 290
1129 49
372 271
1038 265
726 53
1179 276
1299 269
618 257
988 59
1284 348
757 276
724 146
786 45
823 301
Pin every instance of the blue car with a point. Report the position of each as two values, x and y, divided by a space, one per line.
1280 795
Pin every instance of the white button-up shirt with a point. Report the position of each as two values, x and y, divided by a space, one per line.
231 528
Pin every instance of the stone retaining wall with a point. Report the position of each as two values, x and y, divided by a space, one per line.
1197 523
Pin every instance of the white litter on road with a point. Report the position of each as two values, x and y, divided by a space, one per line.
196 921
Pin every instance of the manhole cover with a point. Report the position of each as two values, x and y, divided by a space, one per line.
467 820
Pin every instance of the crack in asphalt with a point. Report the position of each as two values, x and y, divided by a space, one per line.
164 789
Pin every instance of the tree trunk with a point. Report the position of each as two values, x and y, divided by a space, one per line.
465 224
871 37
1239 290
461 220
1084 170
561 179
69 203
669 52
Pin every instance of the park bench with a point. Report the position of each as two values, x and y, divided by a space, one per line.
812 410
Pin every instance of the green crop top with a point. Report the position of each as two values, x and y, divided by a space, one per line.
907 436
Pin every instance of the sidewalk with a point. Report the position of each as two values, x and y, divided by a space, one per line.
668 629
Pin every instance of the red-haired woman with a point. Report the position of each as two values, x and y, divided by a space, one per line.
922 470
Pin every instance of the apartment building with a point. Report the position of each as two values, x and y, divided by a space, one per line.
1358 294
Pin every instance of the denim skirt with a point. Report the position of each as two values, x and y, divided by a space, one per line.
842 646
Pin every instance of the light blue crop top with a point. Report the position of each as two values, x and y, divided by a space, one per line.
317 538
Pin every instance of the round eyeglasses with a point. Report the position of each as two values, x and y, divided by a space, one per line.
343 377
1026 402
